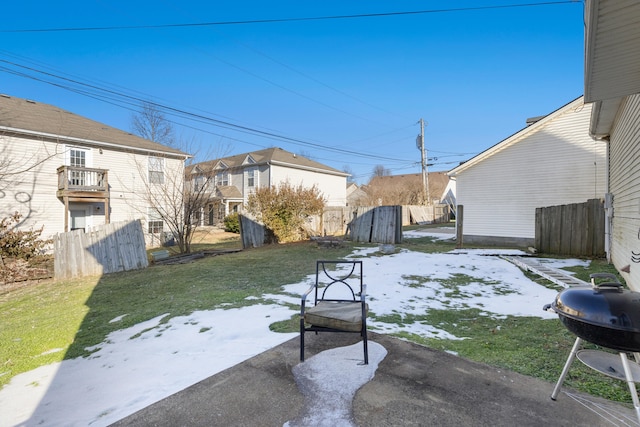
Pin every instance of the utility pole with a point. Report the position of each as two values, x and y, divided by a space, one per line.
425 173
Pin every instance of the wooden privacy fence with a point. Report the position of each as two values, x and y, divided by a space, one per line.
108 248
420 214
381 224
336 219
576 229
253 233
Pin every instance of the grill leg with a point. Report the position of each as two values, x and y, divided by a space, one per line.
632 385
567 365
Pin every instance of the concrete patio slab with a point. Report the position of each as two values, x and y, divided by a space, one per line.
413 386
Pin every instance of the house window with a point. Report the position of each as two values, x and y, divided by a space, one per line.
77 158
156 170
251 177
222 178
198 183
155 223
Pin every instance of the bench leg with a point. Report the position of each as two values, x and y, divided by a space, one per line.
302 340
366 347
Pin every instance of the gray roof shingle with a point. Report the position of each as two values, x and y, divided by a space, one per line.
270 155
29 117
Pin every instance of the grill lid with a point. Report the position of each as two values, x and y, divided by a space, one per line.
604 314
607 306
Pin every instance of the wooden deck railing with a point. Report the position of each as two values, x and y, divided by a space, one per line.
71 178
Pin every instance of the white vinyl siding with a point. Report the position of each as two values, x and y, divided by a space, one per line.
332 187
555 163
33 193
624 164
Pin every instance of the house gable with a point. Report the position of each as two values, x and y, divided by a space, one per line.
531 129
220 165
551 162
249 160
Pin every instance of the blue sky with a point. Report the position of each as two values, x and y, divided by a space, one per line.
345 92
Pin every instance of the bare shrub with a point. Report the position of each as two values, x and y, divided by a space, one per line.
285 209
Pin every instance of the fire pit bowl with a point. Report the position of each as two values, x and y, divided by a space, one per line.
604 314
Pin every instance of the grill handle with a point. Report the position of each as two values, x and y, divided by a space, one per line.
614 283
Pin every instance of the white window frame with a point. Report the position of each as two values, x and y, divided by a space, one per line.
251 177
78 178
222 178
153 218
88 158
156 169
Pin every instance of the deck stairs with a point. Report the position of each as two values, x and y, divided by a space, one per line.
554 275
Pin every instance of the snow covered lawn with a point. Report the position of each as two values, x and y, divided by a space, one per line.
138 366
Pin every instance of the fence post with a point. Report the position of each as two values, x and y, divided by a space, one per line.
459 225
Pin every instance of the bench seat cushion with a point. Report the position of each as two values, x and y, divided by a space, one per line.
346 316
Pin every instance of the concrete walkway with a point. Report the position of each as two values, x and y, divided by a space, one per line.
413 386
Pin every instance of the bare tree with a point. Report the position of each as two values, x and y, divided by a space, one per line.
180 199
380 170
349 170
150 123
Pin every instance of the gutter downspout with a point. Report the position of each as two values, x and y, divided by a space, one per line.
608 208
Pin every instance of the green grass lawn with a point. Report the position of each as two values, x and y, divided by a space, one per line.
50 321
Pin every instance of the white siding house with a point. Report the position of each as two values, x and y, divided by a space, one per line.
236 177
553 161
612 84
64 171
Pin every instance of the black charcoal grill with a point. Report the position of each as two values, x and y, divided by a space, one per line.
604 314
607 315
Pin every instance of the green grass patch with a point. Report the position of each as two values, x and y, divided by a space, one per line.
50 321
427 244
527 345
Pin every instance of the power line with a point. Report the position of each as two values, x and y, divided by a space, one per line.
283 20
114 96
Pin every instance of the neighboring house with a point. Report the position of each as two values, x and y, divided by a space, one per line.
406 189
65 172
356 196
612 84
232 179
449 197
552 161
